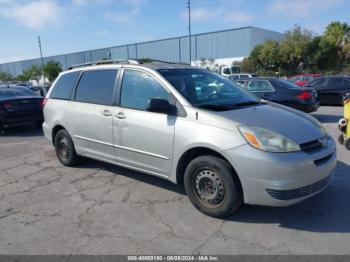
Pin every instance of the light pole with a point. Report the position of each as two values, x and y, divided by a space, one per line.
42 61
41 52
189 29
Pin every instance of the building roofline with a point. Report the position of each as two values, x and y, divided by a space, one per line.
145 42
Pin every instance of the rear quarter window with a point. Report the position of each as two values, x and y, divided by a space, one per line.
346 83
64 86
335 82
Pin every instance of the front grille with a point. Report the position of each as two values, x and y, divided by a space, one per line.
299 192
311 147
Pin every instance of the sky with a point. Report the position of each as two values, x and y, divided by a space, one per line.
77 25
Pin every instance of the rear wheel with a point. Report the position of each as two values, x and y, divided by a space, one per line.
65 148
212 186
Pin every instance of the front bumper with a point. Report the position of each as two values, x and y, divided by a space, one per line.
282 179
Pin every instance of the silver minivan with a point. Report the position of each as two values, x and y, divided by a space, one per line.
192 127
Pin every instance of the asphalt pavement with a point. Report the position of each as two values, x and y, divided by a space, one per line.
97 208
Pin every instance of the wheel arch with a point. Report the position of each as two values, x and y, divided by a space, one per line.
195 152
54 131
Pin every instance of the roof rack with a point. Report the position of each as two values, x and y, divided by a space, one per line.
121 61
105 62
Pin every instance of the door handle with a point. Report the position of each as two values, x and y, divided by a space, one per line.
106 112
120 115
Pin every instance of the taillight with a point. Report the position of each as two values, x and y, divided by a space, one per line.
7 105
43 102
305 95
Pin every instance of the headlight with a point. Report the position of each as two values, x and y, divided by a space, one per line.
267 140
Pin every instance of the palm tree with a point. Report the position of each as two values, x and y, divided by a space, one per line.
338 33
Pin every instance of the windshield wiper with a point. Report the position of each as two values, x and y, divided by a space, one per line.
216 107
248 103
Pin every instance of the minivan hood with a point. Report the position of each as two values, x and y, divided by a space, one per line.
293 124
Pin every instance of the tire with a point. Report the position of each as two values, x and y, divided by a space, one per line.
341 139
347 143
64 148
210 170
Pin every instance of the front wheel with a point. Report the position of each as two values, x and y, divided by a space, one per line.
65 148
347 143
341 139
212 186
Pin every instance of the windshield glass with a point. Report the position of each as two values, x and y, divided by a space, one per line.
203 88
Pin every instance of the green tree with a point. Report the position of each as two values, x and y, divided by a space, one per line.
33 73
265 58
322 55
293 48
248 65
270 55
338 33
5 77
254 57
22 78
51 70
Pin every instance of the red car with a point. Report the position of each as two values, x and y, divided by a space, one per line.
303 79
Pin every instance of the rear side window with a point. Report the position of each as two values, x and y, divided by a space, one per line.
335 82
64 86
259 86
320 82
96 87
346 83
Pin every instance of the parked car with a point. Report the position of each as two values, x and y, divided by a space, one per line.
19 106
235 77
331 89
283 92
28 86
303 79
192 127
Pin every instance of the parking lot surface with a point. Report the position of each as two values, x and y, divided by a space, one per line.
96 208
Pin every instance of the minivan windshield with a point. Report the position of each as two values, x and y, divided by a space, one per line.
209 90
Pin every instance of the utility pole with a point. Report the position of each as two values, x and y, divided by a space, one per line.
189 29
41 52
42 62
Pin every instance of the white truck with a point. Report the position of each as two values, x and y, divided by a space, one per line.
226 71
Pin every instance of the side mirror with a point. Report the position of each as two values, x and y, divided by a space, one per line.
159 105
